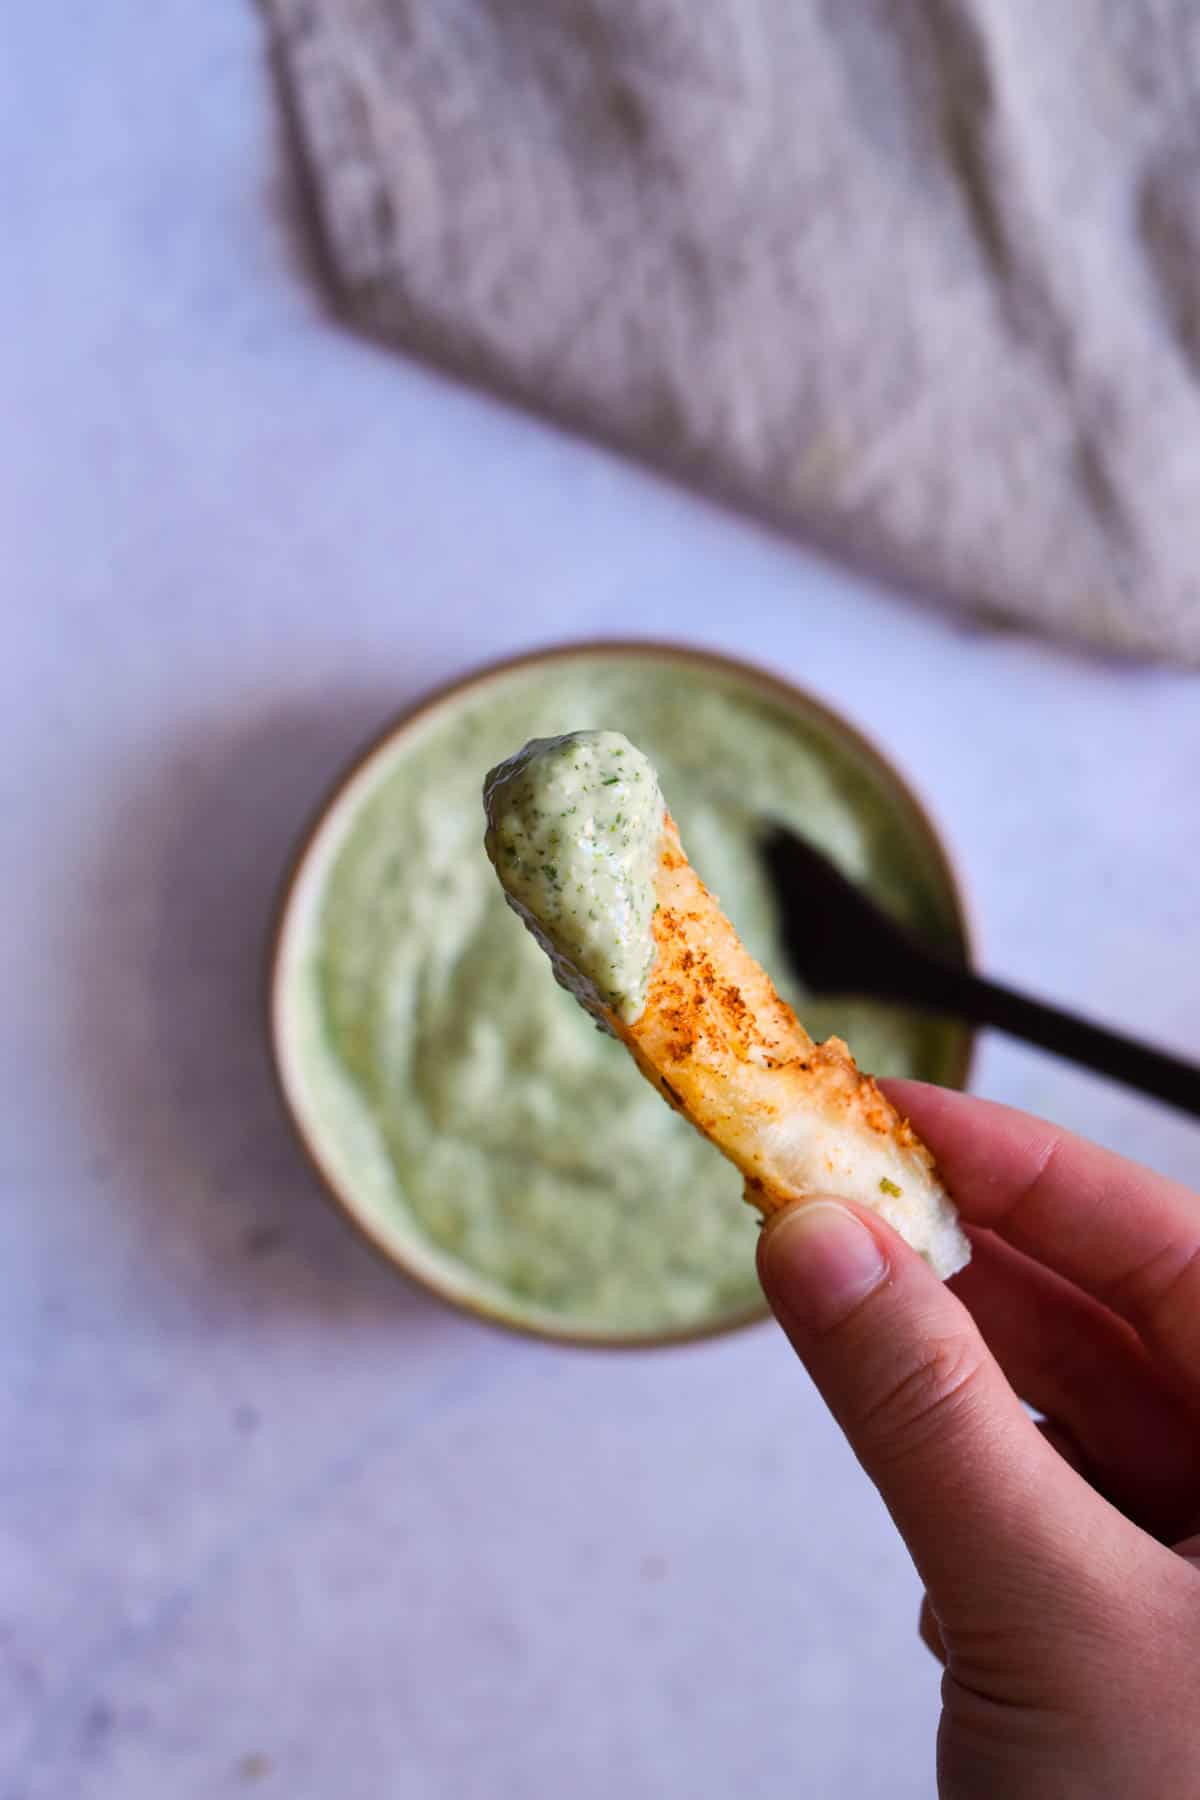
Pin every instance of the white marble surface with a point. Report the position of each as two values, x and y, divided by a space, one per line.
271 1522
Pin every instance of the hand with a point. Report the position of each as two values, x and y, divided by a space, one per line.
1062 1558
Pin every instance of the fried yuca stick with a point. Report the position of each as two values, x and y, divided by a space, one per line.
592 861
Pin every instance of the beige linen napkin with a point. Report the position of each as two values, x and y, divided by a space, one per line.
919 276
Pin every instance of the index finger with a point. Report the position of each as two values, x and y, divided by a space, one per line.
1120 1232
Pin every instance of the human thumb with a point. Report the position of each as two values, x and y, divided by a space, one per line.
987 1508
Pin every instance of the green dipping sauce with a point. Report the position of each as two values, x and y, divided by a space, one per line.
575 825
467 1100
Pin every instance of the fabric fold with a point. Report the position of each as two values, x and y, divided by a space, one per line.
921 277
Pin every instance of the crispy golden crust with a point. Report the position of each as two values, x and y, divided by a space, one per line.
796 1117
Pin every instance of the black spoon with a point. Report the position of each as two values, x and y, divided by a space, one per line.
839 942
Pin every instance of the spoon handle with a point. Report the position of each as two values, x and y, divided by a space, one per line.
1139 1066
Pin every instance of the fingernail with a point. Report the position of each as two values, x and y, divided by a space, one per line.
818 1261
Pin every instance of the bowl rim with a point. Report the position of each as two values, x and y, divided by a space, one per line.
338 1194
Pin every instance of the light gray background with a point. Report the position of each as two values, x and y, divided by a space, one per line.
271 1522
